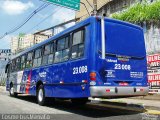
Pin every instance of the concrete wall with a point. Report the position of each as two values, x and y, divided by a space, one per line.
152 38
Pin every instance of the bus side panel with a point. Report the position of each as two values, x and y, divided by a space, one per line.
62 82
15 78
65 80
73 73
24 80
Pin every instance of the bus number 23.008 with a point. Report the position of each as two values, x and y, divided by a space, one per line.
79 70
122 67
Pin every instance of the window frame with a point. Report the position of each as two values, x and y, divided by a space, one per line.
52 52
18 64
67 37
34 57
30 60
24 62
83 43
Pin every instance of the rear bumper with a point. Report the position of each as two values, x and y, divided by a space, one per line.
106 91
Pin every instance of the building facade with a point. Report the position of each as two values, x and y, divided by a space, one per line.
24 41
14 44
107 6
5 56
39 38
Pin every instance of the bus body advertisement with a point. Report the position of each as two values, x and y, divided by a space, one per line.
70 65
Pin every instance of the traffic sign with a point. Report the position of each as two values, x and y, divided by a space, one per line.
72 4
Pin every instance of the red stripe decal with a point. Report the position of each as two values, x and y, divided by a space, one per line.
28 82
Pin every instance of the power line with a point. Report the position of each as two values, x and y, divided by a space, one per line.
48 17
44 19
28 18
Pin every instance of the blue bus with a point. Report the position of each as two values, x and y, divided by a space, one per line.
98 57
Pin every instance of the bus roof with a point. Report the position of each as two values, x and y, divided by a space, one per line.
68 30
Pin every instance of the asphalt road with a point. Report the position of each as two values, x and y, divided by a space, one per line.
62 110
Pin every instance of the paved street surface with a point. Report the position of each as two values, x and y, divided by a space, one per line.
63 110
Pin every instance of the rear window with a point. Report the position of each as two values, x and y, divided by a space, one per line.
124 39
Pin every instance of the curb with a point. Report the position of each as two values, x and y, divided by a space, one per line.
116 105
153 112
127 106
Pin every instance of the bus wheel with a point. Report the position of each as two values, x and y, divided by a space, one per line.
79 101
41 95
11 91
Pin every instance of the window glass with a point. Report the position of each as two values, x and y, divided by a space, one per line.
22 62
34 62
65 55
29 56
62 51
78 45
29 60
18 64
67 42
45 60
39 61
13 65
77 37
81 50
58 56
61 44
37 58
48 54
50 59
47 49
74 53
52 47
37 53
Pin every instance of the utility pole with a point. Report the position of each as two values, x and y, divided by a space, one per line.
95 7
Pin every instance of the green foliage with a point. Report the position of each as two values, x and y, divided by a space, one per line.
140 12
21 34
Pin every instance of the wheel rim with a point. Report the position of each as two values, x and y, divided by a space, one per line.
12 90
40 95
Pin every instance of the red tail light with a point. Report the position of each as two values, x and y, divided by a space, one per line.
92 76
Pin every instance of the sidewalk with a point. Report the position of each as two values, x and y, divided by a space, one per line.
148 97
2 88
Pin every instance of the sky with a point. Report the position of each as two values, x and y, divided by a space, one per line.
14 12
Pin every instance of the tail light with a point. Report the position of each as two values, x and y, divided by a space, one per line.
93 76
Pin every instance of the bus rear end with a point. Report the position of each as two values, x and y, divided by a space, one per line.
123 72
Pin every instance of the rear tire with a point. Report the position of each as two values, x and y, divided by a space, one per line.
79 101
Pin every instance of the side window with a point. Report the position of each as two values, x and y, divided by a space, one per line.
77 45
37 58
48 54
18 61
29 60
22 62
13 65
62 50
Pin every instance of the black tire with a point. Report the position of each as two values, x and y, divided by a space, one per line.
11 91
79 101
41 99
